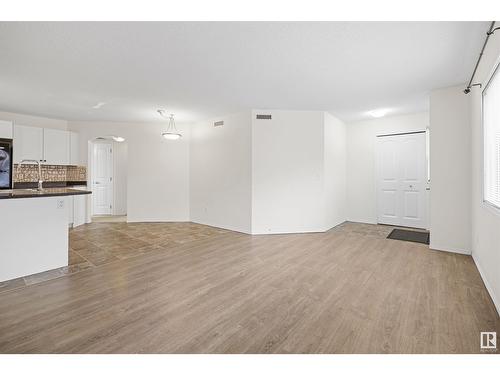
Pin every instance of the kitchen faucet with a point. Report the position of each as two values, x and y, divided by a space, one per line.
40 182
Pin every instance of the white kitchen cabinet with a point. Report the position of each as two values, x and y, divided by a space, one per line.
56 147
51 146
74 156
28 143
5 129
70 202
79 209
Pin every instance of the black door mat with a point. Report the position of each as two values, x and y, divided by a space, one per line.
409 235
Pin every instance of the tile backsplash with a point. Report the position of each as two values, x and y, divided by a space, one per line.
52 173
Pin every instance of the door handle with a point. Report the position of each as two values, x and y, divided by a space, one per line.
96 183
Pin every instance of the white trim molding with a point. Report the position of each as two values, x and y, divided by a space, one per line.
449 249
495 299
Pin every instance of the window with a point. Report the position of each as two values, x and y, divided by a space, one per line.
491 133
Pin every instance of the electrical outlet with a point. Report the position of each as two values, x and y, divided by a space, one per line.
60 203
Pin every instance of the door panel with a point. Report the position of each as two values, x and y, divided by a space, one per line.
388 182
401 180
102 179
411 210
389 198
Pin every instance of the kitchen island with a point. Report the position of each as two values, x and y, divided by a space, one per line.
33 230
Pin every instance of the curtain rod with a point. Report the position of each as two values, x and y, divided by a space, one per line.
488 34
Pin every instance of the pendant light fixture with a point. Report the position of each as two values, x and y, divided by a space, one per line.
172 132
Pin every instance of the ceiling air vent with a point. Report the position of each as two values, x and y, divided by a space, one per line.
264 117
218 123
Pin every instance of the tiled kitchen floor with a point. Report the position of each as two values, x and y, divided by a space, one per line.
99 243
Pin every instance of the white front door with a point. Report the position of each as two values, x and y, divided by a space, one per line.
402 180
102 179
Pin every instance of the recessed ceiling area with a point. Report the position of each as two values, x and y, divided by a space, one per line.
125 71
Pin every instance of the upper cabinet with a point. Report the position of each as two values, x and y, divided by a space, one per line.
74 156
5 129
50 146
28 143
55 147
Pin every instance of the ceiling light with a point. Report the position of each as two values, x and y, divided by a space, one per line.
115 138
172 132
378 113
172 136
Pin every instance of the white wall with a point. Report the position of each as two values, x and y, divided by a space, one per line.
158 169
221 172
450 156
485 221
268 176
290 191
120 166
287 172
28 120
361 141
335 163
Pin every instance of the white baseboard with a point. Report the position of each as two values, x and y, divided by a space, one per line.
362 221
450 249
495 300
227 227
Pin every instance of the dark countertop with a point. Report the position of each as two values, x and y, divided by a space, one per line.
48 184
46 192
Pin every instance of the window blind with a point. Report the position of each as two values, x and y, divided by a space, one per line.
491 133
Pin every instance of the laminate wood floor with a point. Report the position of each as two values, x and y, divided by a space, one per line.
188 288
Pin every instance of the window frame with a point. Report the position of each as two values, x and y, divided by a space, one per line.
493 74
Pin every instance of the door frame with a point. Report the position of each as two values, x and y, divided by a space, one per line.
426 192
91 163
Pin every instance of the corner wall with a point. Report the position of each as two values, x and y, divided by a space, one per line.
335 171
287 170
485 220
221 172
450 156
298 172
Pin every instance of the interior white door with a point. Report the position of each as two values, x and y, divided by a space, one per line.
102 179
402 180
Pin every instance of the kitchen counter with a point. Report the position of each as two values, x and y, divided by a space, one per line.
49 184
34 232
33 193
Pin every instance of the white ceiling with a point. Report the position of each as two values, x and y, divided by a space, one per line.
201 70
